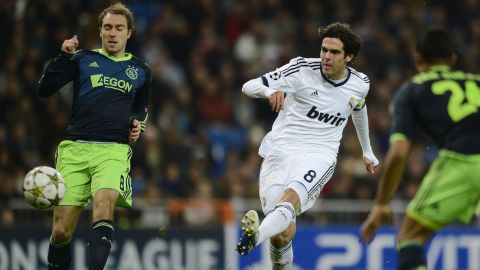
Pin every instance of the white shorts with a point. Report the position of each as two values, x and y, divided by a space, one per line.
306 173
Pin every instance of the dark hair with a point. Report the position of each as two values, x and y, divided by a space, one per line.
118 9
435 44
352 44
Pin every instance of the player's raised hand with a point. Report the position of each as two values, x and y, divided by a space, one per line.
70 45
276 101
380 214
135 130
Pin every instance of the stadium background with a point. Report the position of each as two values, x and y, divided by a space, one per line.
196 166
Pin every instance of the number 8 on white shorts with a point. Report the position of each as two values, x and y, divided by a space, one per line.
306 173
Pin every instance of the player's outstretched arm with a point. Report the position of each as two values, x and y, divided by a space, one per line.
360 121
60 70
255 88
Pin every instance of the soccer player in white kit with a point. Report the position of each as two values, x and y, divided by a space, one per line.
314 98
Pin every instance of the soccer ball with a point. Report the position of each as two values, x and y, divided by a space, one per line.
43 187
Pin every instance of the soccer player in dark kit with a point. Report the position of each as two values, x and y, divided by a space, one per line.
109 111
445 104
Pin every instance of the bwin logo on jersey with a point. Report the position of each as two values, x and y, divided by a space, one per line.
325 117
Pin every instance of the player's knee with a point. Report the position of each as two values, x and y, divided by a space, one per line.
61 235
293 197
103 210
104 206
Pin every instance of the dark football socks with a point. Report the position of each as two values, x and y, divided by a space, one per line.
410 256
59 256
101 239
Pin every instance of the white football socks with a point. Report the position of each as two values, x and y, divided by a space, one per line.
276 222
282 258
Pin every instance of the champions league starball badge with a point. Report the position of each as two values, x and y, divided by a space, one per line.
275 75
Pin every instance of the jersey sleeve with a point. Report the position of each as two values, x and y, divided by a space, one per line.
363 83
360 105
60 71
139 109
403 114
285 77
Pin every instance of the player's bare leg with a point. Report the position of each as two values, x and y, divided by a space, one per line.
101 234
411 238
65 220
104 204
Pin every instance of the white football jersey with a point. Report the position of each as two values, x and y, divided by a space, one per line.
316 108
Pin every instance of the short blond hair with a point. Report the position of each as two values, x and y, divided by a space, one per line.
118 9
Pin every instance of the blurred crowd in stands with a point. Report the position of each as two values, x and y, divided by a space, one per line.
203 133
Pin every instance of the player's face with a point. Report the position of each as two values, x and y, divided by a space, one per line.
333 58
114 33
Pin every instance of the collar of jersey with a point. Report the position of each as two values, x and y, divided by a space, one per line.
440 68
334 83
127 56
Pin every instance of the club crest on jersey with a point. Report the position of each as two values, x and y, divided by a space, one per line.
132 72
351 103
275 75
